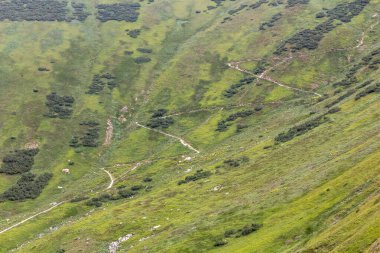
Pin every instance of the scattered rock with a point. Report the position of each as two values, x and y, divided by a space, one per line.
115 245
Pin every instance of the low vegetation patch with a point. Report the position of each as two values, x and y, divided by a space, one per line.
300 129
59 106
292 3
271 22
18 161
310 38
258 4
236 233
121 194
158 120
134 33
90 135
195 177
101 81
375 88
236 162
79 11
224 124
246 230
29 186
235 88
118 12
142 59
145 50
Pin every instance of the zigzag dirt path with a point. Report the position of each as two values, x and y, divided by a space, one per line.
236 65
183 142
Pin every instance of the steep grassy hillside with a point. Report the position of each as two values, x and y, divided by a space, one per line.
190 126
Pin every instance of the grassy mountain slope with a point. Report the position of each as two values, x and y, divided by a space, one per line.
303 165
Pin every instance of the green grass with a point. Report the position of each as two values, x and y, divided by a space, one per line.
315 193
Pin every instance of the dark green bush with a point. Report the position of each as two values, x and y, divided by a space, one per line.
59 106
236 162
371 89
220 243
118 12
223 124
300 129
145 50
18 161
159 113
246 230
127 193
147 179
195 177
310 38
234 89
29 186
160 122
142 59
78 199
292 3
134 33
271 22
137 187
101 81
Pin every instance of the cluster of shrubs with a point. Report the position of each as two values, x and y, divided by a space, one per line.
159 113
236 162
240 8
218 2
236 233
59 106
90 138
375 88
301 129
43 69
346 11
320 14
334 110
224 124
145 50
260 67
40 10
158 120
18 161
199 174
29 186
258 4
119 12
134 33
273 3
100 81
121 194
340 98
142 59
235 88
310 38
271 22
78 199
79 11
371 61
98 201
244 231
292 3
348 93
226 19
276 3
34 10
